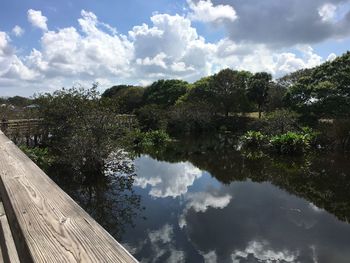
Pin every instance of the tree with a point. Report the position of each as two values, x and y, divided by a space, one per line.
201 91
115 91
228 89
19 101
128 98
275 97
324 92
258 87
82 127
165 92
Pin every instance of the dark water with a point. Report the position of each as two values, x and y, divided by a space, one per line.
203 201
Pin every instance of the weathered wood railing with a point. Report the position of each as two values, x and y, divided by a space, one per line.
33 131
34 126
45 223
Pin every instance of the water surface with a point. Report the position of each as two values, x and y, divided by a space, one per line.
200 201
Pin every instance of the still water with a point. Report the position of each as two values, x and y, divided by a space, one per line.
200 201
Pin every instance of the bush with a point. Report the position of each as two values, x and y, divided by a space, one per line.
281 121
336 133
158 137
139 139
311 135
152 117
253 139
290 143
190 117
38 155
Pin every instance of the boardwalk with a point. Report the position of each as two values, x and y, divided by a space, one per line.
41 223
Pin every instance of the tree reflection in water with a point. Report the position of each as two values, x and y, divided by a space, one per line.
321 178
107 195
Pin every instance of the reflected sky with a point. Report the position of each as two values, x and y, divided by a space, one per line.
192 217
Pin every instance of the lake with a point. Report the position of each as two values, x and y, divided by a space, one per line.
201 200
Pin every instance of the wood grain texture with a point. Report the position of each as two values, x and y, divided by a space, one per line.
9 251
47 225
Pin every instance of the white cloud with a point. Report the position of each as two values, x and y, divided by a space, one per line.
210 257
257 57
161 244
331 57
12 67
262 253
17 31
5 48
169 47
327 12
165 180
93 55
36 18
205 11
201 201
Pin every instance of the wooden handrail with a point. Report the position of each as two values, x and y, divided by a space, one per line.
46 224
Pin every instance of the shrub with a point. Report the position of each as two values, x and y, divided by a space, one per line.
310 135
281 121
38 155
190 117
253 139
139 139
158 137
152 117
290 143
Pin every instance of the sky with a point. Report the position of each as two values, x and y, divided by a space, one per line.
46 45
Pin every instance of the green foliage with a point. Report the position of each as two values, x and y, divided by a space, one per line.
152 117
165 93
290 143
191 116
200 91
258 88
40 156
253 139
311 135
139 139
275 97
284 143
228 89
324 91
280 121
115 91
128 98
82 127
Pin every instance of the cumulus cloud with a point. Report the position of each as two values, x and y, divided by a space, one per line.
205 11
12 67
36 18
327 12
92 54
331 57
201 201
162 244
286 23
17 31
168 47
165 180
261 252
258 57
158 57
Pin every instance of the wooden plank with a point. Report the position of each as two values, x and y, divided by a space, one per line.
47 225
8 248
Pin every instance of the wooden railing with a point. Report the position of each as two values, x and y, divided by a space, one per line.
30 127
41 223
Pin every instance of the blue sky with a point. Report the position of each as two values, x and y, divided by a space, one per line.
45 45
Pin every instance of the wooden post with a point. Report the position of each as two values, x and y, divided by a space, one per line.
4 125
